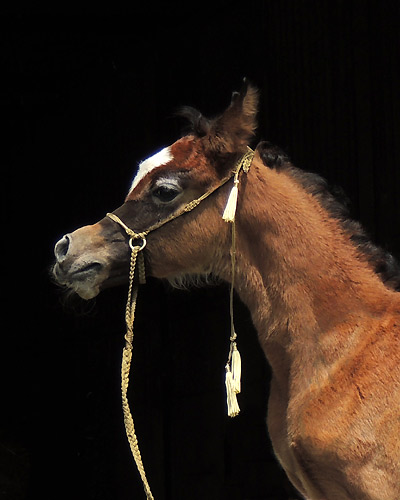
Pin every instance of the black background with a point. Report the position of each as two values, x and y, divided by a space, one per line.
86 97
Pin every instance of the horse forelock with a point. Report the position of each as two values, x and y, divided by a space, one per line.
196 124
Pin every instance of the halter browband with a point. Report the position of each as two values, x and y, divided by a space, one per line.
233 366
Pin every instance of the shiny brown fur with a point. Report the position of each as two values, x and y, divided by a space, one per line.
326 320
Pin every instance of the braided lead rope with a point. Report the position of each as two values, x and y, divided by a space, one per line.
133 290
126 364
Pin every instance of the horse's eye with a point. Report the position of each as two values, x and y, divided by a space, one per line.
166 194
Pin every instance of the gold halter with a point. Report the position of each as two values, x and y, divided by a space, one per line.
233 366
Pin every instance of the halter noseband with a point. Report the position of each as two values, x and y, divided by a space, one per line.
233 366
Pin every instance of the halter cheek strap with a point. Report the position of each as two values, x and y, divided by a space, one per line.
233 366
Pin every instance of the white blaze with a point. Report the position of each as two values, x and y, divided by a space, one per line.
161 158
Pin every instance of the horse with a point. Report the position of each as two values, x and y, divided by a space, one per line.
323 299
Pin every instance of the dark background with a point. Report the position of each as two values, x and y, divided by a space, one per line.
85 98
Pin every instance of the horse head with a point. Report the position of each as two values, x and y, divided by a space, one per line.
95 257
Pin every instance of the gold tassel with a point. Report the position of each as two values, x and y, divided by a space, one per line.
236 368
230 209
234 365
233 407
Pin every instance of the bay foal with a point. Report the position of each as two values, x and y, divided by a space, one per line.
322 298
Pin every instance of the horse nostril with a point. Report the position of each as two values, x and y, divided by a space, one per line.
61 248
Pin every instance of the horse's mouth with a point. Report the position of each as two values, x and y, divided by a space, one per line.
84 278
86 271
82 272
88 279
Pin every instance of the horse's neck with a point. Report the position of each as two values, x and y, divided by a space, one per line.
299 274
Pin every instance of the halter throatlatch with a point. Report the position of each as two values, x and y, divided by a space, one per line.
233 365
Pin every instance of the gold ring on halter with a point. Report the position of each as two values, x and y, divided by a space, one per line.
132 246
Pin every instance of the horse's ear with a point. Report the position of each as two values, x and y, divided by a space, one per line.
232 131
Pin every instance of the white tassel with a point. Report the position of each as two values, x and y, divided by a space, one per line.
236 368
233 407
230 209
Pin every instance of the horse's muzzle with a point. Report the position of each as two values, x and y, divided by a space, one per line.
81 262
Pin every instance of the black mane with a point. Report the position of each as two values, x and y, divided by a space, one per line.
335 202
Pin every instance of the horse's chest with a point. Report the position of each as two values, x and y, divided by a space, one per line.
305 441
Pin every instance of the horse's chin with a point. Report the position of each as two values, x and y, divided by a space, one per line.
86 293
89 290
